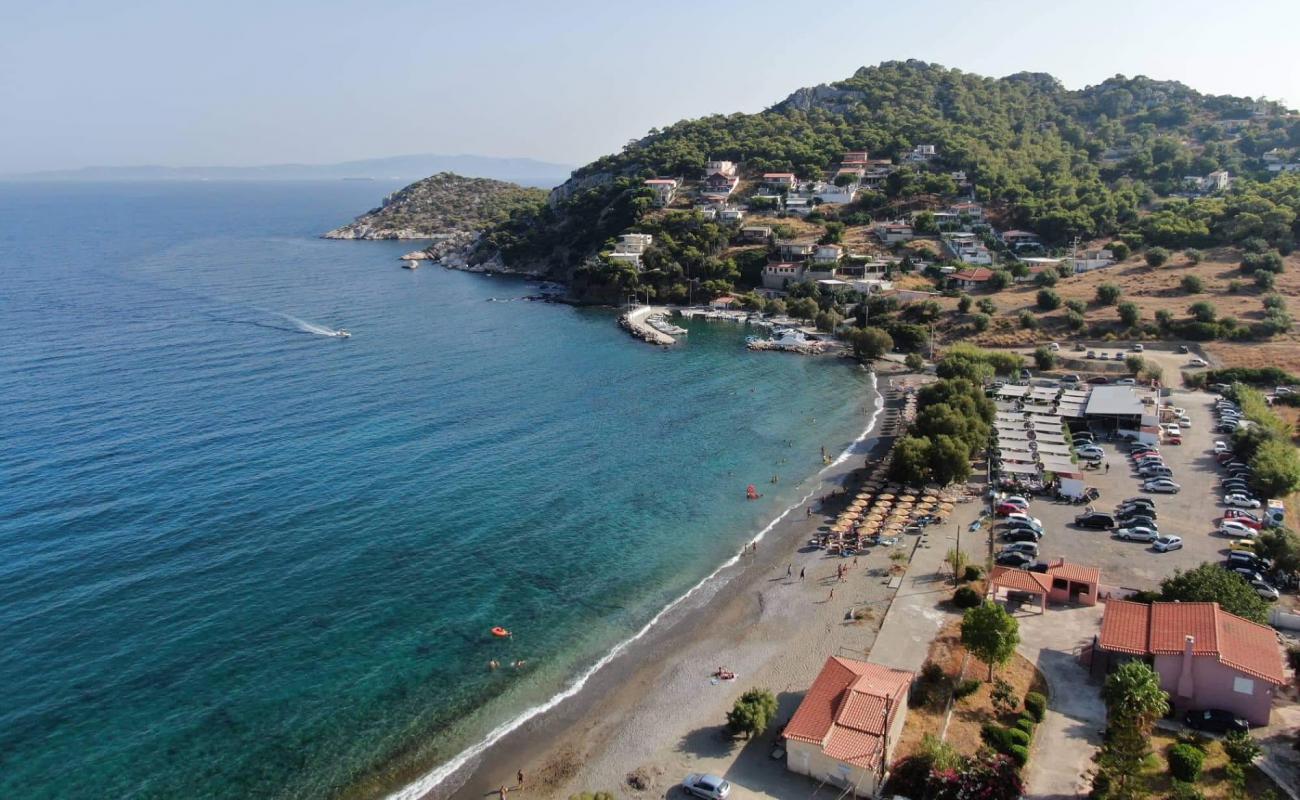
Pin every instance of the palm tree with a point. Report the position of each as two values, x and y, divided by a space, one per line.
1134 698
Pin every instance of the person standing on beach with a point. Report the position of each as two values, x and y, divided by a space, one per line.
521 778
832 597
789 569
801 572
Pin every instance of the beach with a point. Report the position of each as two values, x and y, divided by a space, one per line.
655 708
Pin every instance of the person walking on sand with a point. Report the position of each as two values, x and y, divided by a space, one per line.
502 791
1107 467
521 778
832 597
801 572
789 570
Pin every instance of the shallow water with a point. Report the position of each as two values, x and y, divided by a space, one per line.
242 558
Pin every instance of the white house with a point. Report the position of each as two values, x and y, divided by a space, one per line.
1217 181
791 251
755 233
845 729
633 243
828 254
730 215
830 194
665 189
725 167
1087 260
922 153
892 232
970 210
778 179
798 205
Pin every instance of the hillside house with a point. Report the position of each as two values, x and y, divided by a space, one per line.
1217 181
856 174
727 168
795 204
724 303
1015 239
708 212
755 233
633 243
967 248
665 190
855 157
730 215
795 251
893 232
1037 265
779 276
968 210
976 278
833 195
828 254
1087 260
1205 657
922 153
848 723
780 179
633 259
877 175
719 185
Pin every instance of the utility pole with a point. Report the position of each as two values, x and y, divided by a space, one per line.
958 558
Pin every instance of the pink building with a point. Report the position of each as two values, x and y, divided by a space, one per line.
1206 657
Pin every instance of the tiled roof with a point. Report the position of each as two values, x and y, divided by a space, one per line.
980 274
1020 579
846 710
1074 572
1163 628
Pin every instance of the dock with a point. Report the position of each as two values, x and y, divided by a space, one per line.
634 322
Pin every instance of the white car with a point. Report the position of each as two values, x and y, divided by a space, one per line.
1198 362
1137 348
1137 534
1239 500
1185 422
1230 527
1163 544
1126 382
1015 500
1221 447
1091 452
1161 486
1032 522
710 787
1265 591
1173 430
1054 347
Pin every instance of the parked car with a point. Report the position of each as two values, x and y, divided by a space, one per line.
1215 720
1251 574
1016 499
1221 447
1161 486
1021 535
1230 527
1182 348
1150 471
1091 453
1137 348
1092 354
1127 509
1265 590
1240 500
1197 362
1033 522
1241 558
1126 382
1030 548
710 787
1070 380
1098 381
1136 534
1054 346
1136 521
1139 501
1095 519
1247 521
1005 508
1014 559
1241 546
1163 544
1242 514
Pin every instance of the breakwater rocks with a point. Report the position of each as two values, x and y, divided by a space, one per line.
634 322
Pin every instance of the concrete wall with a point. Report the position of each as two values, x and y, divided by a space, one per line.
808 759
1213 687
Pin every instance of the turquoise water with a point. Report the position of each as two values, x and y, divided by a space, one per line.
242 559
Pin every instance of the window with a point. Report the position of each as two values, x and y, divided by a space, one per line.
1243 685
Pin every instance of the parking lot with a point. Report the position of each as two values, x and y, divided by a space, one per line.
1193 513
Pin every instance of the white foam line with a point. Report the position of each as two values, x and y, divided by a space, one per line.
430 781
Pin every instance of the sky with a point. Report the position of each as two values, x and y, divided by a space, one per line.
200 82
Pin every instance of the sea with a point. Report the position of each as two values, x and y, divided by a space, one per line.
242 557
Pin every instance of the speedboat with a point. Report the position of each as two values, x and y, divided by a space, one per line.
342 334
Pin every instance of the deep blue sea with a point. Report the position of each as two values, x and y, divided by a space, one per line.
239 558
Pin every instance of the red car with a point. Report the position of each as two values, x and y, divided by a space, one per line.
1004 509
1248 521
1173 440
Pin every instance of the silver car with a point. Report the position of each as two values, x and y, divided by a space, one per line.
710 787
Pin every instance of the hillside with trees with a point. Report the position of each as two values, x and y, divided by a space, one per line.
1097 162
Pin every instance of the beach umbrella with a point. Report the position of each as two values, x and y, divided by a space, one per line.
886 496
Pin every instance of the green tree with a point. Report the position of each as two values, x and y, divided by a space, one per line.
987 306
1000 280
990 634
1276 469
1075 320
911 464
1282 547
949 460
1129 313
1266 281
1044 358
963 303
914 362
1156 256
1108 293
1134 364
804 308
1119 250
981 322
1202 311
1134 703
828 321
1047 277
753 712
924 223
1027 319
1241 747
1210 583
1077 306
870 343
1048 300
1193 284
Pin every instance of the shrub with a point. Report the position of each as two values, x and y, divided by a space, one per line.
1108 294
981 322
1119 249
914 361
1129 313
1181 790
1265 281
966 597
1019 754
1240 747
1035 706
972 573
1048 300
1075 320
1193 284
966 688
1003 696
1156 256
592 796
1028 320
1235 775
1047 277
997 737
932 672
963 303
1185 762
1193 255
753 712
1018 736
1076 305
1026 724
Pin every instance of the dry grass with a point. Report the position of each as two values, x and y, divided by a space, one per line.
972 711
1213 782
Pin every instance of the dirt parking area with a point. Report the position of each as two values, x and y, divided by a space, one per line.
1191 514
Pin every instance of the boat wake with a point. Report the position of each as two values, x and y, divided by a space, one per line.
312 328
432 780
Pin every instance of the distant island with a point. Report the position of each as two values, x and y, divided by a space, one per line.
408 167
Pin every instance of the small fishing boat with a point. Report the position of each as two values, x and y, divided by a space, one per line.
412 264
342 334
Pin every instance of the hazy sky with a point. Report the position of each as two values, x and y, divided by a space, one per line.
237 82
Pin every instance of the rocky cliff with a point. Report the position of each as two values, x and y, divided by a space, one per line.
445 206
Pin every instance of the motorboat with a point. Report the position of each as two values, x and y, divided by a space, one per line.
411 264
342 334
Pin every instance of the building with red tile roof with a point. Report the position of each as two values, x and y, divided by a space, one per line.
1206 657
972 278
845 729
1062 582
